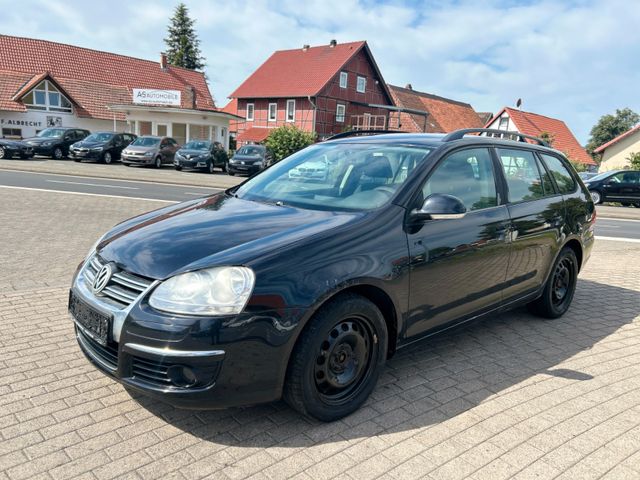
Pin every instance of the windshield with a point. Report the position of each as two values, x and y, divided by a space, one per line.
251 150
145 142
197 145
51 133
336 176
600 176
99 137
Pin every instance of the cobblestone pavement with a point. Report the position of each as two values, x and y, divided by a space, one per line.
511 397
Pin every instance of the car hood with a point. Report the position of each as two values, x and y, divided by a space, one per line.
136 148
248 157
12 143
216 230
84 144
39 140
192 153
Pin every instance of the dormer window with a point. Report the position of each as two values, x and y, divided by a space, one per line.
45 96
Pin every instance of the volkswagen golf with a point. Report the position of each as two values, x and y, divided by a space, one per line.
301 288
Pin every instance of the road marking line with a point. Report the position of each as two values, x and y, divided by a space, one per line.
618 239
617 219
89 194
111 179
93 184
199 194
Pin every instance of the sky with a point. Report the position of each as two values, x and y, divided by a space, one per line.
573 60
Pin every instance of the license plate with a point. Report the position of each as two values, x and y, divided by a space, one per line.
94 323
81 154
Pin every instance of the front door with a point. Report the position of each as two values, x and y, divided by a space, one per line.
623 187
458 266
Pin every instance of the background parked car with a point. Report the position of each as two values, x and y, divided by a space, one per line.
616 186
101 146
14 148
55 142
250 159
150 150
587 175
203 155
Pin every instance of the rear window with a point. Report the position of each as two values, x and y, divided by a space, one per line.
564 179
522 172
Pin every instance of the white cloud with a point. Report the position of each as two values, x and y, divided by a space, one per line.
575 60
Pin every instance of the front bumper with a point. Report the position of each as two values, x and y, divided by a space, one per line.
184 163
243 169
237 360
41 150
86 155
11 152
137 159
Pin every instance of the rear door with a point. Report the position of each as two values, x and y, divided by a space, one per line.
537 216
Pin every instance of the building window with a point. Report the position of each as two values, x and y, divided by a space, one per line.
344 79
340 113
361 86
45 96
291 110
273 112
504 123
11 133
250 109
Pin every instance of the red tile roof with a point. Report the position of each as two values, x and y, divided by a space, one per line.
254 134
445 115
535 124
93 79
297 73
604 146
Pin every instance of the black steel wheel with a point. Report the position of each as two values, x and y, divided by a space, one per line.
560 287
337 359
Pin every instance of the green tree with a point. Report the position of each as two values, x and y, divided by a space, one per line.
634 159
182 42
287 140
609 127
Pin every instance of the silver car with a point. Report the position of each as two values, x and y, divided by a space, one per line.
150 150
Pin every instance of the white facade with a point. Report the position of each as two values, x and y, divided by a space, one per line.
616 156
27 124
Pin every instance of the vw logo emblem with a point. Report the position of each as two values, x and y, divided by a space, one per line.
102 278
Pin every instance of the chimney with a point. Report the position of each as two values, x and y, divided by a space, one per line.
194 100
305 48
333 43
163 61
408 86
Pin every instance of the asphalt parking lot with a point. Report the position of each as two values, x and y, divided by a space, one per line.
511 397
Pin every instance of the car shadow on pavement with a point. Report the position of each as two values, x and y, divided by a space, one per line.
436 379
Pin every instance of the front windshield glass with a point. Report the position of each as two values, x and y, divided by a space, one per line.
600 176
51 133
197 145
99 137
343 176
251 150
145 142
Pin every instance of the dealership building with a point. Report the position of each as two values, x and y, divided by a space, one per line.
47 84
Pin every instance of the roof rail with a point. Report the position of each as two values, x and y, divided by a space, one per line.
355 133
458 134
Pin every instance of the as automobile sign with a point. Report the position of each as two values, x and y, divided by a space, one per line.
145 96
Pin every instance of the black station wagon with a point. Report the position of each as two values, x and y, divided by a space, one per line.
302 288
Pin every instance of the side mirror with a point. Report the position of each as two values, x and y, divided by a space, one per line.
440 207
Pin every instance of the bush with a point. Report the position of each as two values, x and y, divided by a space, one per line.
634 160
287 140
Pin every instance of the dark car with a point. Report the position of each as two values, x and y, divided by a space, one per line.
622 186
150 150
250 159
281 287
14 148
584 176
201 155
104 147
54 142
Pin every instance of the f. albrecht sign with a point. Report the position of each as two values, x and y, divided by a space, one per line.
145 96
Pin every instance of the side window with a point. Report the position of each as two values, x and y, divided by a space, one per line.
522 171
467 175
625 177
564 179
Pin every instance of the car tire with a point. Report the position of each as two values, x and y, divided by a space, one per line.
337 360
57 153
224 166
210 167
157 163
560 287
178 168
107 158
77 160
596 196
231 173
4 155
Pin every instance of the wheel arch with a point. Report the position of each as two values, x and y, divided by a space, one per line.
576 246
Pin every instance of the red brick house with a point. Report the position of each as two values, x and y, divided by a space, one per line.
440 115
325 89
536 124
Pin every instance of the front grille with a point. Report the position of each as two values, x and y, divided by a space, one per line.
123 288
151 372
107 356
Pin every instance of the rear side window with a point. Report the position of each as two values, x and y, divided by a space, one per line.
524 175
564 179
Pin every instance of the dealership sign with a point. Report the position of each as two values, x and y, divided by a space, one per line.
145 96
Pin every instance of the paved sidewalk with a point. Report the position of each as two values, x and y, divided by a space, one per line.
511 397
167 174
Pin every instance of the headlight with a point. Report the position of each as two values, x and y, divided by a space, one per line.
97 149
233 160
213 291
47 144
148 154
